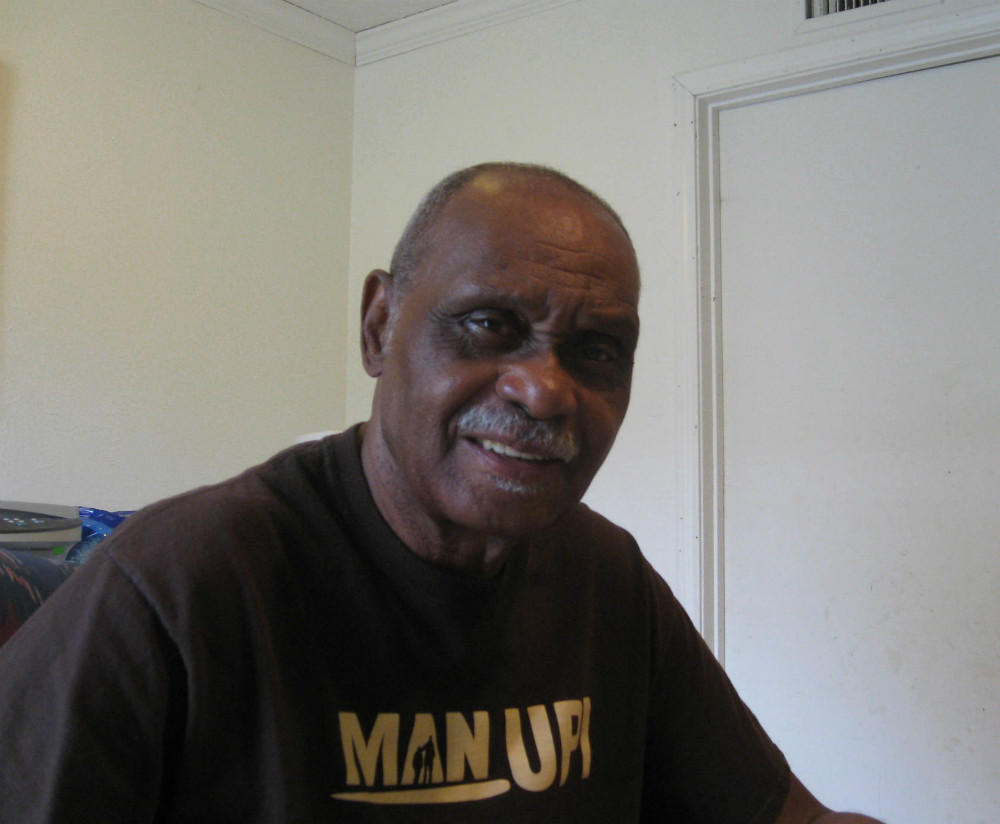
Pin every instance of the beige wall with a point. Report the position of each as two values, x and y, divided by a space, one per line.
174 230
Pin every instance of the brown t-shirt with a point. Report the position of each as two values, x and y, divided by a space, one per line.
266 650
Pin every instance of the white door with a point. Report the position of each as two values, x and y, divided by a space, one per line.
860 288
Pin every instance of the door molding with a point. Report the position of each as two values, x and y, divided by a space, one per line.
699 98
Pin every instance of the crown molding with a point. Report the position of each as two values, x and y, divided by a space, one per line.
460 17
292 23
443 23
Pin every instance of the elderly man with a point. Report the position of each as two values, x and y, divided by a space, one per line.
416 620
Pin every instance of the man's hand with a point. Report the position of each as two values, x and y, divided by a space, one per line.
802 807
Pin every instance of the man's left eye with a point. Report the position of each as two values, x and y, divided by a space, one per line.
599 349
600 352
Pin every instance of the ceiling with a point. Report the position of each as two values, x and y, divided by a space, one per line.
359 15
358 32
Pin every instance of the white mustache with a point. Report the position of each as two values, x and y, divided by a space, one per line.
543 436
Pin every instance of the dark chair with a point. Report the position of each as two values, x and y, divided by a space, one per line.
26 580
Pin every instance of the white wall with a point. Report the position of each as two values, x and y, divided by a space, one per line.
173 247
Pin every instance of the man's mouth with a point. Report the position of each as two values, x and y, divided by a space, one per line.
497 430
510 452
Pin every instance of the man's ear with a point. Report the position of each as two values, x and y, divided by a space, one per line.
375 299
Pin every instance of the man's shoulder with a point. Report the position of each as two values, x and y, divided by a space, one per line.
583 524
286 484
257 508
585 538
245 498
610 551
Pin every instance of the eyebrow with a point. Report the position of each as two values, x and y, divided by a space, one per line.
621 322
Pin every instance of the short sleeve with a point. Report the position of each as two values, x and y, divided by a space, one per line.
84 705
707 759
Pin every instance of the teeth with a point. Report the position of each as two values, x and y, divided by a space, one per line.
501 449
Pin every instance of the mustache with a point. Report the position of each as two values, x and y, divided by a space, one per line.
514 424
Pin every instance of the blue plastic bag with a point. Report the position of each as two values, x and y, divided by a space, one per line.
98 524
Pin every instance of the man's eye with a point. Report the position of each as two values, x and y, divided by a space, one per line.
599 350
601 353
491 325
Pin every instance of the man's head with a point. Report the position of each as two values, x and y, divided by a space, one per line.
502 341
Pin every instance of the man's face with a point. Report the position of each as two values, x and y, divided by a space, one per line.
508 368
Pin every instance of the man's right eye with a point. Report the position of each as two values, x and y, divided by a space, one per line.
498 328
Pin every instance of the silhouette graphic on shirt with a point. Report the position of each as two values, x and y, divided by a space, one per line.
423 762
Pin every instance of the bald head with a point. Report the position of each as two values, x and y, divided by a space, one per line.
489 179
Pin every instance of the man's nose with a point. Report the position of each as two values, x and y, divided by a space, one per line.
540 385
